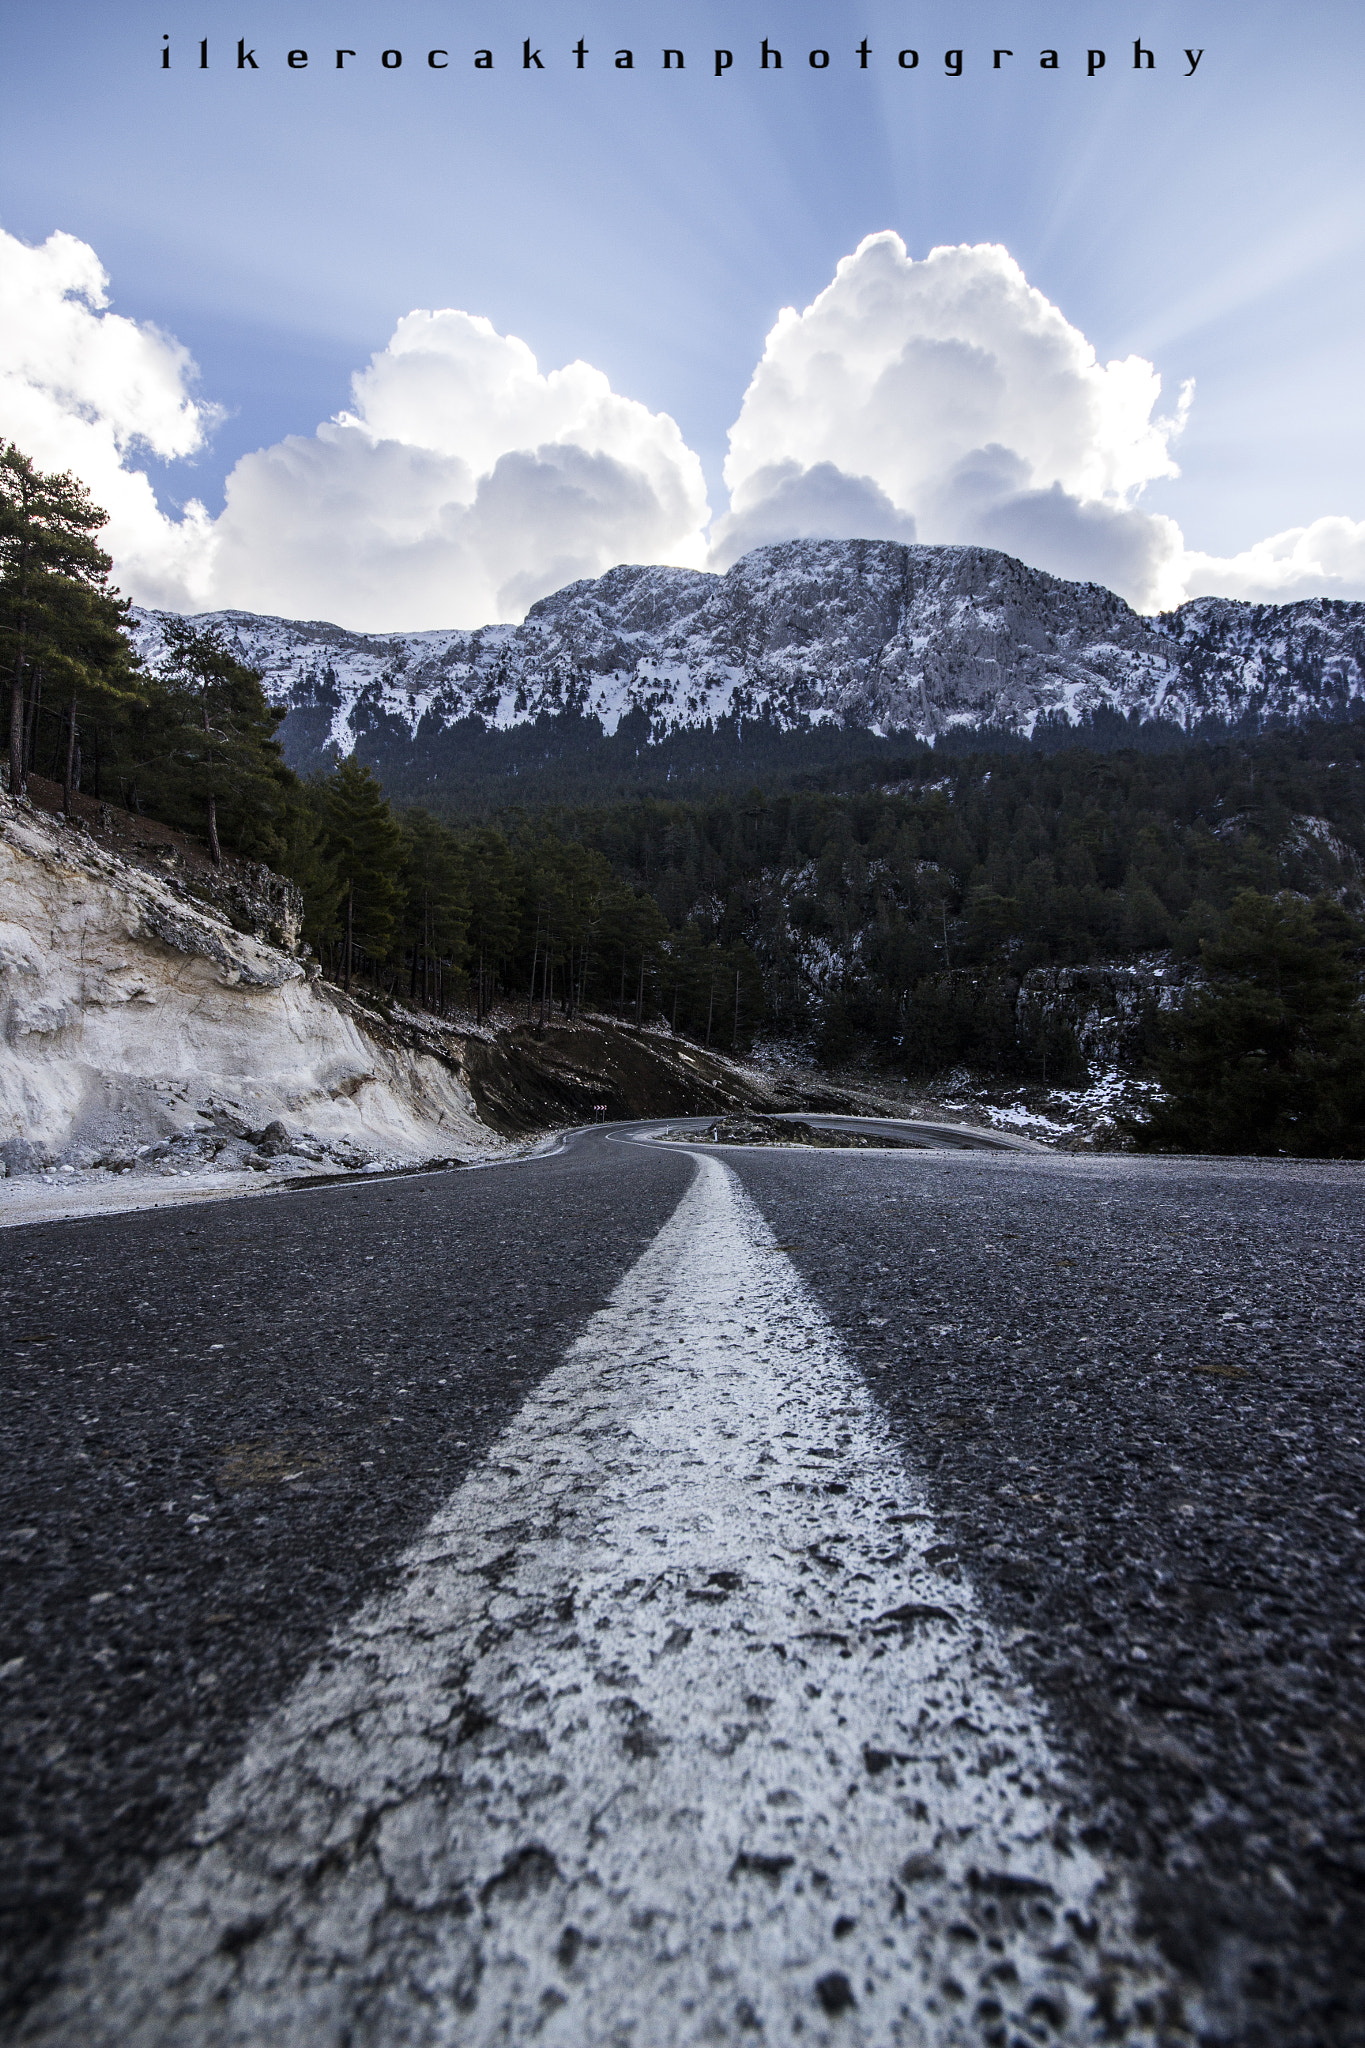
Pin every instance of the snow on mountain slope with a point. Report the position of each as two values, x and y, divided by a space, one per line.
1289 661
869 634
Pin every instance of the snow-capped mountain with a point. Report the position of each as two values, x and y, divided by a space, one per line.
867 634
1279 661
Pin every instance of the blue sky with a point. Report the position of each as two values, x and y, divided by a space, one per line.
280 223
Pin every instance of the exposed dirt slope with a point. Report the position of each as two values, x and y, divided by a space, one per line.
526 1079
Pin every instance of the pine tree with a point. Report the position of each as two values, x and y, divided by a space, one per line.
435 906
490 885
217 747
59 615
309 864
364 841
87 657
1269 1056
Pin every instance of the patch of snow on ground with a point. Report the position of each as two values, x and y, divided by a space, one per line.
1017 1118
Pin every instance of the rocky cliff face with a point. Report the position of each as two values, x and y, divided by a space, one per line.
142 1026
1281 661
868 634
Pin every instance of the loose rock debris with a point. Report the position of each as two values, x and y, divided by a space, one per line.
670 1733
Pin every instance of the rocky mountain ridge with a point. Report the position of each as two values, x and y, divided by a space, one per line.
870 635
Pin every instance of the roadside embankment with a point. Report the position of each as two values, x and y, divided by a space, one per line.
163 1038
526 1078
143 1028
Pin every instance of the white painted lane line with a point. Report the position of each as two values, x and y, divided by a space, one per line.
678 1729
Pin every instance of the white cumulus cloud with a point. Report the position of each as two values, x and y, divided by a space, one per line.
957 401
938 400
1326 559
88 390
465 484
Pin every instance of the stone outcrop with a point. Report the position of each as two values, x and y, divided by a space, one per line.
1109 1011
140 1026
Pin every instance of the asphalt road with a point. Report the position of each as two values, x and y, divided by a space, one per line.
1136 1390
220 1427
1129 1393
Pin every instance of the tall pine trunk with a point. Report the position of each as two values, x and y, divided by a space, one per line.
215 850
35 704
16 700
68 774
16 721
350 929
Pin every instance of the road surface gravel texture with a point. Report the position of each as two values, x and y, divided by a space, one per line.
879 1597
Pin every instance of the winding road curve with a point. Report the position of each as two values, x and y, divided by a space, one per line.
658 1593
